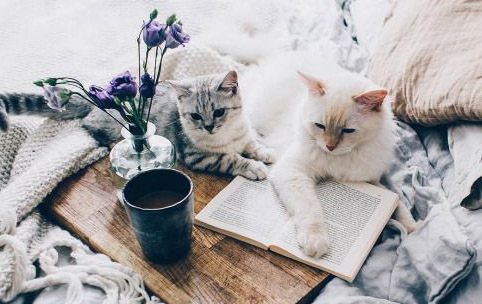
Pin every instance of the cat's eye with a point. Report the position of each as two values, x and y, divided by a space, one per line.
348 130
196 116
320 126
219 112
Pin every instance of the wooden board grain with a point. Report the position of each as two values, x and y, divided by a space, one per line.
218 269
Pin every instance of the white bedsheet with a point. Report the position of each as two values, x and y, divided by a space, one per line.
95 40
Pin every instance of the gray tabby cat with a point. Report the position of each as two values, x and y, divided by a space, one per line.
203 117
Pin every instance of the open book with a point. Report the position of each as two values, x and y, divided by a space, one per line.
355 215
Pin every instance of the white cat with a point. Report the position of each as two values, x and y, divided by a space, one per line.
325 122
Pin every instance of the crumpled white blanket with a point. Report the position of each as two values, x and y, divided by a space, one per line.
35 155
93 40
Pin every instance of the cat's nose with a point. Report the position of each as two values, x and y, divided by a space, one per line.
209 128
330 147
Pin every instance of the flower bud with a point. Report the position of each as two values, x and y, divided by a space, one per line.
39 83
51 81
147 88
153 14
171 19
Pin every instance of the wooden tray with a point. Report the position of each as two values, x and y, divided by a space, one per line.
218 269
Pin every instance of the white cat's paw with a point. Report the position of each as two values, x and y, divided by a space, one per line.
266 155
256 170
313 239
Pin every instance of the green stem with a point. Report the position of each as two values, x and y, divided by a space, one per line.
156 82
139 50
160 66
147 59
136 116
70 83
139 56
155 61
154 74
73 80
142 101
75 83
141 104
95 105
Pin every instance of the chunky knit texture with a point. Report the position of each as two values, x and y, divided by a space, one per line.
35 156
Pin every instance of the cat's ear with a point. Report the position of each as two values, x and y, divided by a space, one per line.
316 86
229 83
372 99
182 90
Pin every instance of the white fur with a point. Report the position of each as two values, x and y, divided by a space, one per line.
242 33
281 108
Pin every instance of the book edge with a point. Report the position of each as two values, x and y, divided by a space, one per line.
374 239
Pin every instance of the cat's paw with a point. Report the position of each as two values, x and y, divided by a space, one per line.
256 170
313 239
266 155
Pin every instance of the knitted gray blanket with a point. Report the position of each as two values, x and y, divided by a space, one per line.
70 38
93 40
35 155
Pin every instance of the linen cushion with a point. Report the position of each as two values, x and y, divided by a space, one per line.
429 57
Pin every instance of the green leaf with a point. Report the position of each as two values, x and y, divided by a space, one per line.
171 19
39 83
117 101
65 93
153 14
51 81
179 22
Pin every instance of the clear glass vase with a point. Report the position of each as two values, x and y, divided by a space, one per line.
136 153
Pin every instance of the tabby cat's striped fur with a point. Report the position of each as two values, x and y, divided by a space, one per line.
203 117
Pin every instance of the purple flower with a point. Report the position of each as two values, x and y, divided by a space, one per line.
176 36
147 88
154 33
56 97
123 86
101 98
104 100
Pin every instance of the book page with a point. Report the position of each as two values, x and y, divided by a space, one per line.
245 210
355 214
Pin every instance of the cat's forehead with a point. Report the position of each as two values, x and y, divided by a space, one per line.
336 114
205 95
333 110
207 82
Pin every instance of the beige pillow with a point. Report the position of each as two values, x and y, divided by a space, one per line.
429 56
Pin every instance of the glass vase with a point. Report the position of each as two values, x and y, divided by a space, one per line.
136 153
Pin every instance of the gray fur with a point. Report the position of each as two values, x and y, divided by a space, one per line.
196 143
34 104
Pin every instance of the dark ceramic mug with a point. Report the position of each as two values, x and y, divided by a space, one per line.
163 233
